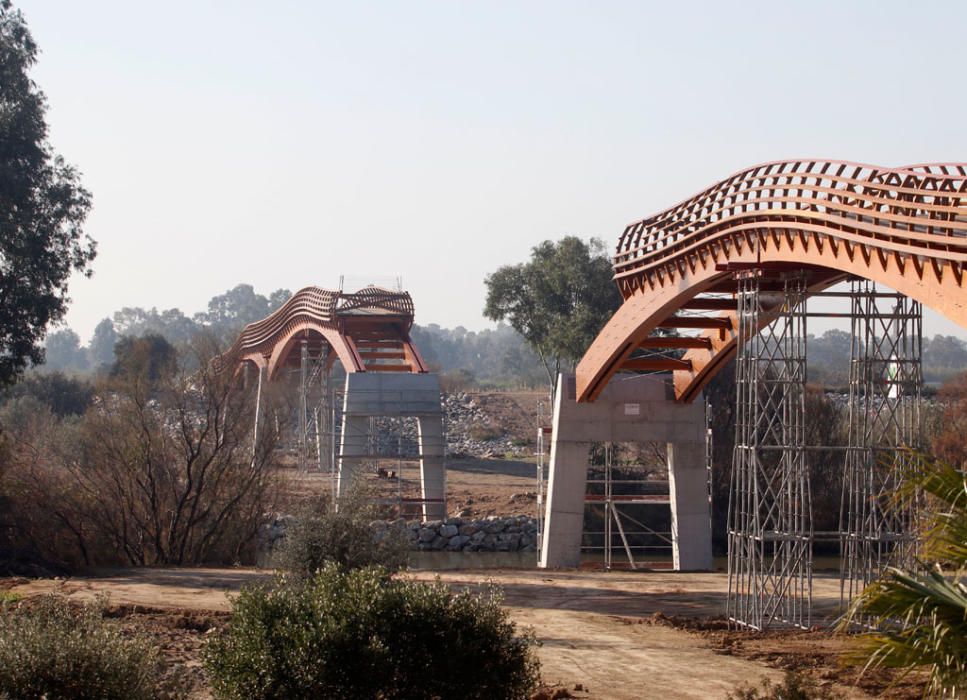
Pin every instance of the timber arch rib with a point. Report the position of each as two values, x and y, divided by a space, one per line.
368 331
905 228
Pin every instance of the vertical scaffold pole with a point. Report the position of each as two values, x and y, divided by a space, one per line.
540 477
258 412
304 407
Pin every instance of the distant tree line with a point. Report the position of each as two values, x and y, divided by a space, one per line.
828 356
490 358
494 357
226 315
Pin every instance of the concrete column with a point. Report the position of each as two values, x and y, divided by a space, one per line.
352 442
566 484
432 472
258 411
633 409
564 514
691 516
374 394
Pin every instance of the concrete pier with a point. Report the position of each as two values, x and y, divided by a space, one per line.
376 394
635 409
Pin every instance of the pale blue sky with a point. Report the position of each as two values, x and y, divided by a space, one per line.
287 143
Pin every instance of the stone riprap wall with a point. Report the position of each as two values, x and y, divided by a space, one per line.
514 533
493 534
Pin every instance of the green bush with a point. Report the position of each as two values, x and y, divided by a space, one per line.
794 686
52 650
362 634
345 537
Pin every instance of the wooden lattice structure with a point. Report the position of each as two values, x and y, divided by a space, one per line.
905 228
368 331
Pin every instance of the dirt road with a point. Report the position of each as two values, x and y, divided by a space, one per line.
597 629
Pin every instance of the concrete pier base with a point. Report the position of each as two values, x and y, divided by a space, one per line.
633 409
369 395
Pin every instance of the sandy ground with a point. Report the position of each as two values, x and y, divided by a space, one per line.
620 635
475 487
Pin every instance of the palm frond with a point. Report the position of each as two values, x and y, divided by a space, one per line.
921 614
945 521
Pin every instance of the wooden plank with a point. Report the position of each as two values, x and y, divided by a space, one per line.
390 344
710 304
382 355
696 322
677 342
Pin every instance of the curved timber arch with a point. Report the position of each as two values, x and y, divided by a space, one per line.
904 228
311 330
368 331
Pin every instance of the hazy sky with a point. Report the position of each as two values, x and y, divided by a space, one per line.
285 144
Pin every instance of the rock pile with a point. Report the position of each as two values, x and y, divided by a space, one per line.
471 432
515 533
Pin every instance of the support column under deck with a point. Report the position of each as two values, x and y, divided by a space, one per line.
371 395
432 469
631 409
353 446
690 505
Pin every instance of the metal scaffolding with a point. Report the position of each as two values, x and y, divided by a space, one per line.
770 525
878 526
314 415
631 506
543 431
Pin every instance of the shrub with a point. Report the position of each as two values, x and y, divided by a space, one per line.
362 634
159 470
343 536
482 433
58 652
794 686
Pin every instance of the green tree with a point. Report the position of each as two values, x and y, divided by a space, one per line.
65 396
172 324
150 357
64 352
558 301
44 207
228 313
101 348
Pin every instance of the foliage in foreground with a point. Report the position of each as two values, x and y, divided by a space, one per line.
794 686
325 534
922 614
361 634
58 652
162 468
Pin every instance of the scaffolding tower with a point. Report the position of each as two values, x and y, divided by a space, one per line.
878 520
769 520
315 426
